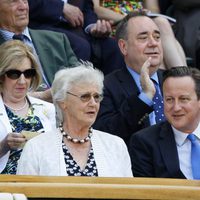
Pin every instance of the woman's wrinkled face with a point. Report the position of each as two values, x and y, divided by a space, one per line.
16 89
82 104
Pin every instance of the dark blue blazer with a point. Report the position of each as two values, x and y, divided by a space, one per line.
154 153
121 111
45 13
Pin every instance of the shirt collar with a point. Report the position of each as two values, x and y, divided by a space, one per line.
136 77
7 35
180 137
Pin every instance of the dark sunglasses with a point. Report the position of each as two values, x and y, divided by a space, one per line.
87 96
15 74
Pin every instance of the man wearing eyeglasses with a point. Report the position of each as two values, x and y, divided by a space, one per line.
52 49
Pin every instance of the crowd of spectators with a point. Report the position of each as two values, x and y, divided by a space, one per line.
68 66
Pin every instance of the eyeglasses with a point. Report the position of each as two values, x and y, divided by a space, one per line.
87 96
15 74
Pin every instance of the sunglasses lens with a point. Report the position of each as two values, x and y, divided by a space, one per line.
29 73
15 74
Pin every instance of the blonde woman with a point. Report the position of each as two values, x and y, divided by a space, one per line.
19 112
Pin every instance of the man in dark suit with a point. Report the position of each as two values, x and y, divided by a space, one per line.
88 36
52 49
164 150
127 105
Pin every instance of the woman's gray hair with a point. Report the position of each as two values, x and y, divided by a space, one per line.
65 79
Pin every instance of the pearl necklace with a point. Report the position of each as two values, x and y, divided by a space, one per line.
17 109
75 140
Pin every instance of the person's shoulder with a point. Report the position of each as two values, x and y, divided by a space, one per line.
46 33
43 138
115 76
107 136
151 132
114 73
39 102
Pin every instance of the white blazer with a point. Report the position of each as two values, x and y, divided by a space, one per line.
44 110
43 155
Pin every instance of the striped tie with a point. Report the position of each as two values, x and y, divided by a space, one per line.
18 37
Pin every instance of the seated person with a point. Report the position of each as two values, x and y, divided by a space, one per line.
81 25
167 149
116 11
51 49
76 149
130 93
19 74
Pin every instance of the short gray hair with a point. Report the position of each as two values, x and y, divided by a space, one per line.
122 27
65 79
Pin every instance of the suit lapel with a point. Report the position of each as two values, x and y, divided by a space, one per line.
129 85
160 78
169 152
42 50
127 82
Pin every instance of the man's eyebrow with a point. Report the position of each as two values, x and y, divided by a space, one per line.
156 31
146 32
143 33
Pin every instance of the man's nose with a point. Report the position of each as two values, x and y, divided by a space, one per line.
23 3
152 41
176 106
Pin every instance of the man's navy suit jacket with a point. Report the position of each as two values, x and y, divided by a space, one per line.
122 112
45 13
154 153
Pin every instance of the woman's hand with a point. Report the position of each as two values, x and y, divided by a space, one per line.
11 142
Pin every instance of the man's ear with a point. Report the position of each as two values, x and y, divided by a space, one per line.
122 46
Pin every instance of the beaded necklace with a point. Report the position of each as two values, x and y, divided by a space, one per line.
75 140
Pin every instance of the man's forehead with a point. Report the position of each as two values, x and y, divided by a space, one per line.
143 22
142 25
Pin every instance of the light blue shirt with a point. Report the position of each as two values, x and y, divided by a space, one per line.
142 95
184 150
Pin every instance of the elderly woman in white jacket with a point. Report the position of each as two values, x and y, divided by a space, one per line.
76 149
19 74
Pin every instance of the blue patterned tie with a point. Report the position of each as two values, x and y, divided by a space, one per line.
195 155
18 37
158 105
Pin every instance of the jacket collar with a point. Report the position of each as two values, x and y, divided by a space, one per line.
169 152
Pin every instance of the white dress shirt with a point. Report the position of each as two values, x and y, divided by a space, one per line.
184 150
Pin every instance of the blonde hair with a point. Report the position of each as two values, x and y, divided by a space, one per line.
15 51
